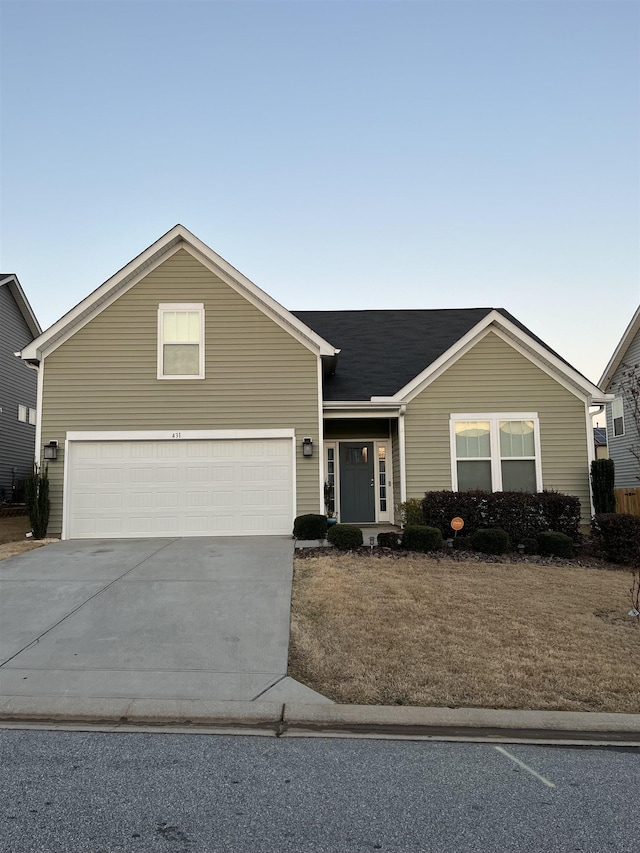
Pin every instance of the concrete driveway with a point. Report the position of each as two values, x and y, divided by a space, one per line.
196 618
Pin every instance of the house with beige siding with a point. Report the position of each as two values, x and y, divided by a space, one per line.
180 399
621 380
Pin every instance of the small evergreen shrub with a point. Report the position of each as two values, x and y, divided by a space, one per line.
391 539
310 526
411 512
602 484
552 544
619 535
462 543
421 538
345 536
490 541
530 545
36 489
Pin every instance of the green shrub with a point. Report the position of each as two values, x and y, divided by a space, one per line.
521 514
421 538
462 543
391 539
36 494
310 526
552 544
619 535
490 541
530 545
411 512
345 536
602 484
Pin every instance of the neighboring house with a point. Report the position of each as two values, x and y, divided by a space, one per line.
600 442
186 402
623 413
18 387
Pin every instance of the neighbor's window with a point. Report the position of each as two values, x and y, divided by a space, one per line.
22 414
617 416
496 453
181 341
32 417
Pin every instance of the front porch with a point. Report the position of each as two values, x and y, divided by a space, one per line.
362 470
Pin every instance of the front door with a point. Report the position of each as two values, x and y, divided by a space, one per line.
357 482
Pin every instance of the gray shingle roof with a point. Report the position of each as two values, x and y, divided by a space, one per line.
384 350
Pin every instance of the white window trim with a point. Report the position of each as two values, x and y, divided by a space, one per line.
180 306
614 416
32 416
23 413
494 418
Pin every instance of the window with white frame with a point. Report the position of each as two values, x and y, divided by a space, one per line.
181 341
496 452
617 415
22 414
32 417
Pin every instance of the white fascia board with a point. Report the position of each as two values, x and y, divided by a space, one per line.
103 296
360 409
178 434
11 281
496 322
620 351
257 297
178 237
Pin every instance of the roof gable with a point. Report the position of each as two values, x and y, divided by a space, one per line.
10 281
152 257
393 355
620 352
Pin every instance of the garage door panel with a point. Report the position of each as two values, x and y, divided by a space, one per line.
211 487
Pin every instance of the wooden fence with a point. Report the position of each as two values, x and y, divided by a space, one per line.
628 501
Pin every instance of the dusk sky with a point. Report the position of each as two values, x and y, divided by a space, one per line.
340 154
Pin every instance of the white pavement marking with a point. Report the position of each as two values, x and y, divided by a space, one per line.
525 767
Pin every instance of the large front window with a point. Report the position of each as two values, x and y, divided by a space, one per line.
496 453
181 341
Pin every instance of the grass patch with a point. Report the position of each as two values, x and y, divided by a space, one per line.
13 539
442 632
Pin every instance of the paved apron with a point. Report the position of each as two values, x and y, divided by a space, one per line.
194 618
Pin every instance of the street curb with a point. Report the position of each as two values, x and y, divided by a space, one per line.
480 723
297 719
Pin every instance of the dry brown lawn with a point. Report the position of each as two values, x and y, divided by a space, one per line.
13 539
441 632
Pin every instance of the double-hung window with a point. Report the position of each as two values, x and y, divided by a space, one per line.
496 452
181 341
617 415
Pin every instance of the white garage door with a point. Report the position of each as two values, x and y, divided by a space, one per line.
123 489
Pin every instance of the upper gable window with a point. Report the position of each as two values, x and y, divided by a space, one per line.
617 416
181 341
496 452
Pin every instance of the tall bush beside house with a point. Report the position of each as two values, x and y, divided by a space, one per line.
619 535
602 484
36 496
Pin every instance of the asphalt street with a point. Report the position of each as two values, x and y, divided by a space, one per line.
102 792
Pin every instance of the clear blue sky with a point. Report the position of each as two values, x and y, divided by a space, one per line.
340 154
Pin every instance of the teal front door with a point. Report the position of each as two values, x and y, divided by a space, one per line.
357 482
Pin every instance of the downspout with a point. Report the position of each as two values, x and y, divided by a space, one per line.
591 450
402 454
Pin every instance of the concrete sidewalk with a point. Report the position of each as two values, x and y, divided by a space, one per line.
291 719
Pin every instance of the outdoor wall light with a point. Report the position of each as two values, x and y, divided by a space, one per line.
307 447
51 450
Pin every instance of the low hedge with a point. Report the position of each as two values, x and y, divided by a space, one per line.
310 526
619 536
345 536
421 538
521 514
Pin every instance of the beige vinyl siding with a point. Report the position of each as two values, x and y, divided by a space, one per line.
257 375
494 377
